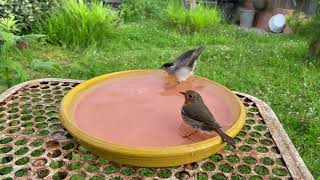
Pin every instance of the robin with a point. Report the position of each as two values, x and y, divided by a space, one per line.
184 65
197 115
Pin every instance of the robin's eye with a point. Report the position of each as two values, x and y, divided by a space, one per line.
190 96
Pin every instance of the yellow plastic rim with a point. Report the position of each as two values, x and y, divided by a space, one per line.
146 156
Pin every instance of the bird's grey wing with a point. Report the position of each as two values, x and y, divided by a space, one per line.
200 113
192 122
188 58
182 60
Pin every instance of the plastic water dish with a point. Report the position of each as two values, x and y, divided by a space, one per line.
133 117
276 23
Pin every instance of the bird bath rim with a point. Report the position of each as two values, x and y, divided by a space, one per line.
143 156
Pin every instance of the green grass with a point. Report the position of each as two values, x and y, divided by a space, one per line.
197 18
76 23
274 68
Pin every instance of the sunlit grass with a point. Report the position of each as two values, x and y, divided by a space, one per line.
77 24
197 18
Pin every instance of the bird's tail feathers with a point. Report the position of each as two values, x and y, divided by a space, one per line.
226 138
200 49
196 54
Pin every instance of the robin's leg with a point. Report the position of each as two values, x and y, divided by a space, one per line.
185 136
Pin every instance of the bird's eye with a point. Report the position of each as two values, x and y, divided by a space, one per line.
190 96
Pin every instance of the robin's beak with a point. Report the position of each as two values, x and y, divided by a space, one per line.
183 93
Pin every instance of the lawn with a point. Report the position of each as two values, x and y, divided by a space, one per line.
274 68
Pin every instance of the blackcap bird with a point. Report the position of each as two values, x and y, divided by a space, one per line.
197 115
184 65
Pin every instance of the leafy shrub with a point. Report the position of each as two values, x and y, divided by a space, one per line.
307 27
300 24
11 71
141 9
8 24
195 19
25 11
76 23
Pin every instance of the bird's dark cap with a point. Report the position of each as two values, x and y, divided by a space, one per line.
166 65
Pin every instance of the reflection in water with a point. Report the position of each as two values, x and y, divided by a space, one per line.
172 88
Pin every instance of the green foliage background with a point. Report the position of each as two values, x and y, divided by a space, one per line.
25 11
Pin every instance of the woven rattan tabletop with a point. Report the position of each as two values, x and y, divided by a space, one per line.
34 145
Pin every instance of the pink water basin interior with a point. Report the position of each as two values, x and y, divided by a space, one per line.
142 109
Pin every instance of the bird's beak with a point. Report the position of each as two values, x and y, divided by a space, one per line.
183 93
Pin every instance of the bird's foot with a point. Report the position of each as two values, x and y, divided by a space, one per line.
188 135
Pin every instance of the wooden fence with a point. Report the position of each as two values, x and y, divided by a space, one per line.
307 6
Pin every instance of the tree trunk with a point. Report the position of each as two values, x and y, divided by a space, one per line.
189 3
185 3
193 3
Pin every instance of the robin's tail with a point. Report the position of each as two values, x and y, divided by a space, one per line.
225 137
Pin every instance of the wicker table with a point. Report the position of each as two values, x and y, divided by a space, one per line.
34 145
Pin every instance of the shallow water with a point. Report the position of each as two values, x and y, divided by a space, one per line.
143 109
